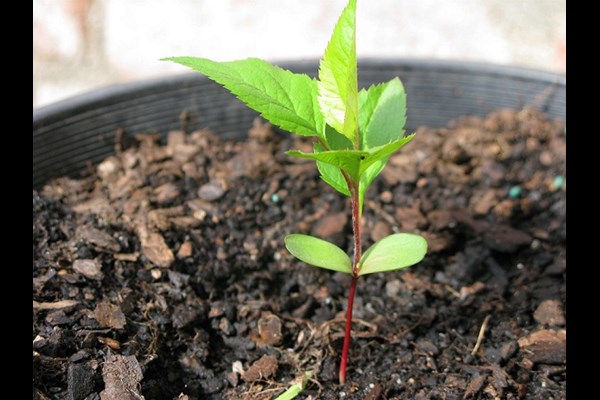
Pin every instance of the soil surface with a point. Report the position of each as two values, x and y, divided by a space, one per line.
163 275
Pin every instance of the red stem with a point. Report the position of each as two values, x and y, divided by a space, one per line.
357 237
347 331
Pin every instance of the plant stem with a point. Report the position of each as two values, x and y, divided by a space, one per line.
357 253
356 230
347 331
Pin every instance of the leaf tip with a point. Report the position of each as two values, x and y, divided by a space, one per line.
173 59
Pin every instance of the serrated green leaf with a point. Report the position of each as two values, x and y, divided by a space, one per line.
381 152
338 84
382 114
393 252
318 252
286 99
348 160
354 162
331 175
335 140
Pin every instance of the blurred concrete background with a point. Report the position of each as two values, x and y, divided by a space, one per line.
79 45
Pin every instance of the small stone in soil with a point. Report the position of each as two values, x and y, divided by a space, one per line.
507 350
175 138
110 342
375 392
80 355
386 197
440 219
261 131
557 268
166 193
39 342
527 364
505 239
237 367
156 273
514 192
265 367
545 346
109 315
392 288
217 309
546 158
178 279
185 315
122 376
232 378
155 248
89 268
411 218
475 386
380 230
331 226
269 329
550 312
505 209
426 346
485 204
438 241
57 317
558 181
80 381
210 191
98 238
109 168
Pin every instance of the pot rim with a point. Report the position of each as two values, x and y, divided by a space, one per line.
107 93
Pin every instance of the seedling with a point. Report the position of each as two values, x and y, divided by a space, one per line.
355 134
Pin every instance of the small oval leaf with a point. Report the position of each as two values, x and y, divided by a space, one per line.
318 252
396 251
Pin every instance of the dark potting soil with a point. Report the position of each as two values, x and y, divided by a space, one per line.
164 275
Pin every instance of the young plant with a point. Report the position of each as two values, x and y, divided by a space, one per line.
355 134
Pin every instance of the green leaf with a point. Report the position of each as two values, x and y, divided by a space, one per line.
393 252
381 120
286 99
318 252
382 152
367 178
297 385
338 84
331 175
335 140
354 162
348 160
382 113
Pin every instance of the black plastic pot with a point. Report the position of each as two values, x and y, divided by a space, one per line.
69 134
